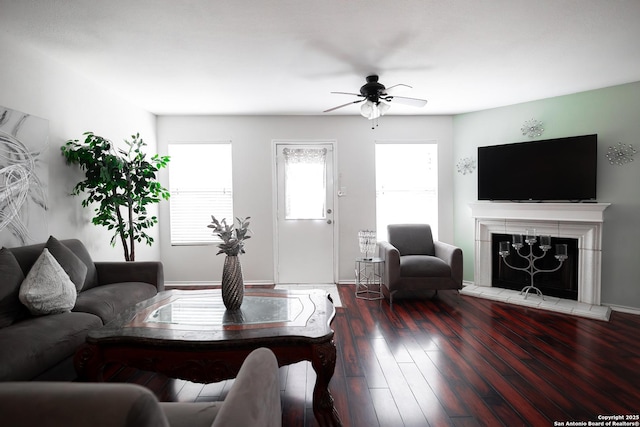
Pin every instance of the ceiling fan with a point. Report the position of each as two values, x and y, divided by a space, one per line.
376 98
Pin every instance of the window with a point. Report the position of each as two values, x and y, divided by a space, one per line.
305 184
200 183
406 185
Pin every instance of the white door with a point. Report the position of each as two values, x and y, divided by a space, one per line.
305 219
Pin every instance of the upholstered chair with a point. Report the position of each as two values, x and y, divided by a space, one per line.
414 262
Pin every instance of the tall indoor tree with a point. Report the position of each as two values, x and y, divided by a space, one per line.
120 184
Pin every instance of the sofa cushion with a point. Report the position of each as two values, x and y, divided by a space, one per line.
47 288
81 252
411 239
70 263
107 301
27 255
32 346
11 309
423 266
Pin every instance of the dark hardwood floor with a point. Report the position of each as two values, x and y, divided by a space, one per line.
456 361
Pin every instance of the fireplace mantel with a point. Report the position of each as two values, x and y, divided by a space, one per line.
581 221
571 212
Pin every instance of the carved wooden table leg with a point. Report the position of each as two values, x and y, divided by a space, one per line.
324 363
88 363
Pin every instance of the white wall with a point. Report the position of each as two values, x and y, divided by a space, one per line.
252 138
612 113
35 84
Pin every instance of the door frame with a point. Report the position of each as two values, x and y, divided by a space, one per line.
274 199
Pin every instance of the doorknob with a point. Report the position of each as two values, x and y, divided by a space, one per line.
329 221
329 211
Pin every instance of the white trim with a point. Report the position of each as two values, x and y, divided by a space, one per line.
624 309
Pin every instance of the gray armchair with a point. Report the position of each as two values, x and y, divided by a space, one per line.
415 262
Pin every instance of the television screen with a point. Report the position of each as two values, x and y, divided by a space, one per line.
561 169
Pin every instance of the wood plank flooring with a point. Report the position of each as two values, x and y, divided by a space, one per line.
456 361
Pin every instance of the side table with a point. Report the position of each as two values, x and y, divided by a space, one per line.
369 278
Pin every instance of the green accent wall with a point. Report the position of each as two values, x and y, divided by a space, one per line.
614 114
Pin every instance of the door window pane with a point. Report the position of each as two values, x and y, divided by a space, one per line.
305 184
406 185
200 183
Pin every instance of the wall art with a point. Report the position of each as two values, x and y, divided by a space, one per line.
23 178
620 154
532 128
466 165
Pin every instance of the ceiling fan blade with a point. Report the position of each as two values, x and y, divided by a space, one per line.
343 105
348 93
399 84
414 102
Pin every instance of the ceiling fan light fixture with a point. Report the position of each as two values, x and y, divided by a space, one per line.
372 110
375 101
383 107
367 110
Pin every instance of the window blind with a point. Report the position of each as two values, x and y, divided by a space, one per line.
200 186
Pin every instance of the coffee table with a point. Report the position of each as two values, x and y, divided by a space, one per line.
190 335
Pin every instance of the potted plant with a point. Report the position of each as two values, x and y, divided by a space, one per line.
121 184
232 245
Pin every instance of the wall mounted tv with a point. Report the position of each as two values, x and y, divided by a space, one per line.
561 169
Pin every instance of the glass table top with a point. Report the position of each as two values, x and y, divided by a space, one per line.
209 311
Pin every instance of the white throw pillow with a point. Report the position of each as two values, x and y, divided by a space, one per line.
47 289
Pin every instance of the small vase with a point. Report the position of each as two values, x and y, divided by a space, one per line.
232 283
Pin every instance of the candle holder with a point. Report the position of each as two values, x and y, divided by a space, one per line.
367 241
531 269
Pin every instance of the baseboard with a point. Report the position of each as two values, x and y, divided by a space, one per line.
212 284
624 309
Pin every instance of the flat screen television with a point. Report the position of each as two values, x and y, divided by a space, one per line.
561 169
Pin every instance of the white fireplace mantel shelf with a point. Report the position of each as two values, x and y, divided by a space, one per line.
581 221
572 212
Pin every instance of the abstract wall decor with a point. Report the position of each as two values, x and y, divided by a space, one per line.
23 178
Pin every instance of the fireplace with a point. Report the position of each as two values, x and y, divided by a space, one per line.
579 222
562 283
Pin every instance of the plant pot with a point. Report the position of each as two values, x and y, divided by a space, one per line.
232 283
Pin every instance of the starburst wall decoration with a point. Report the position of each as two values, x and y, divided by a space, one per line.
620 154
466 165
532 128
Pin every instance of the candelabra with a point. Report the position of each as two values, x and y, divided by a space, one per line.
530 239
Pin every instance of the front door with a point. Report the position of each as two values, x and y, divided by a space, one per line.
305 219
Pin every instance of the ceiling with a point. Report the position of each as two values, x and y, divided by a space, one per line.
274 57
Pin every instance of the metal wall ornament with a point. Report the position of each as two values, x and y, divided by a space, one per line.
532 128
466 165
620 154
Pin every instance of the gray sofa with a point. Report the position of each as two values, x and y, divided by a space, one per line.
41 347
253 400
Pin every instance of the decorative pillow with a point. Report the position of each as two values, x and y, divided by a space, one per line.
47 289
10 279
70 263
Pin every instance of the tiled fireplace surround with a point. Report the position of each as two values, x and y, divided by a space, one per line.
581 221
